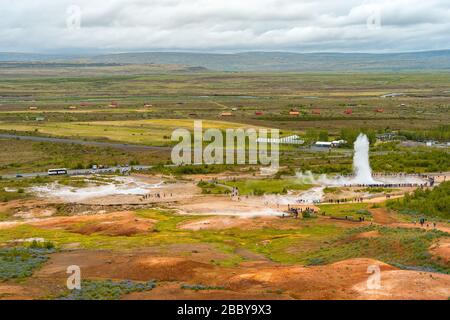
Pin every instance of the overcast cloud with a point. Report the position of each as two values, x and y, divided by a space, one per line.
224 25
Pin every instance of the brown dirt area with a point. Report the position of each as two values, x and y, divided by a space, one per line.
113 224
441 250
382 216
188 264
225 205
169 193
407 285
368 235
220 223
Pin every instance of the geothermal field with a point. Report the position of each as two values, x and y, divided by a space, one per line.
218 236
94 207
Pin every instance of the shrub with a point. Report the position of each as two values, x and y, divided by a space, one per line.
21 262
432 203
198 287
107 289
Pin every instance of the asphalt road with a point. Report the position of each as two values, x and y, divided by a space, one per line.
79 172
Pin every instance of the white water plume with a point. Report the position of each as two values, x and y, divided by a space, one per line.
362 172
361 165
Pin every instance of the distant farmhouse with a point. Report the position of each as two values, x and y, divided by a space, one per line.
348 111
114 104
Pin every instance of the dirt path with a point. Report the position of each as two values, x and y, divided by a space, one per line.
383 198
382 216
417 226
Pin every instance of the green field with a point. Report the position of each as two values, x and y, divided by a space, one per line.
267 186
147 132
206 95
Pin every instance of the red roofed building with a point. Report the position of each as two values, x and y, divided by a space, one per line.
348 111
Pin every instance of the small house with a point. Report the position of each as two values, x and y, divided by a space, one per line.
379 110
72 108
258 113
294 113
348 111
316 111
33 108
226 114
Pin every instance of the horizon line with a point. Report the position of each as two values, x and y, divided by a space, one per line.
63 52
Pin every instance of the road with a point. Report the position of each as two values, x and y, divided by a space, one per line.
80 172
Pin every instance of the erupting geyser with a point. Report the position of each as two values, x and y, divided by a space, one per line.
361 165
362 172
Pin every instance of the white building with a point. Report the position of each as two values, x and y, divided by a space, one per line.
286 140
326 144
323 144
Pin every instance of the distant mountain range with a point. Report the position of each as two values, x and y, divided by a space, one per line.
260 61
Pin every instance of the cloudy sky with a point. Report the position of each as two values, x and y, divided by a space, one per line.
224 25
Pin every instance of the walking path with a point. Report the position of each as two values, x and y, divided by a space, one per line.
382 216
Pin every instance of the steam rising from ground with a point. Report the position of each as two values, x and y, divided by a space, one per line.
244 213
118 186
310 196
